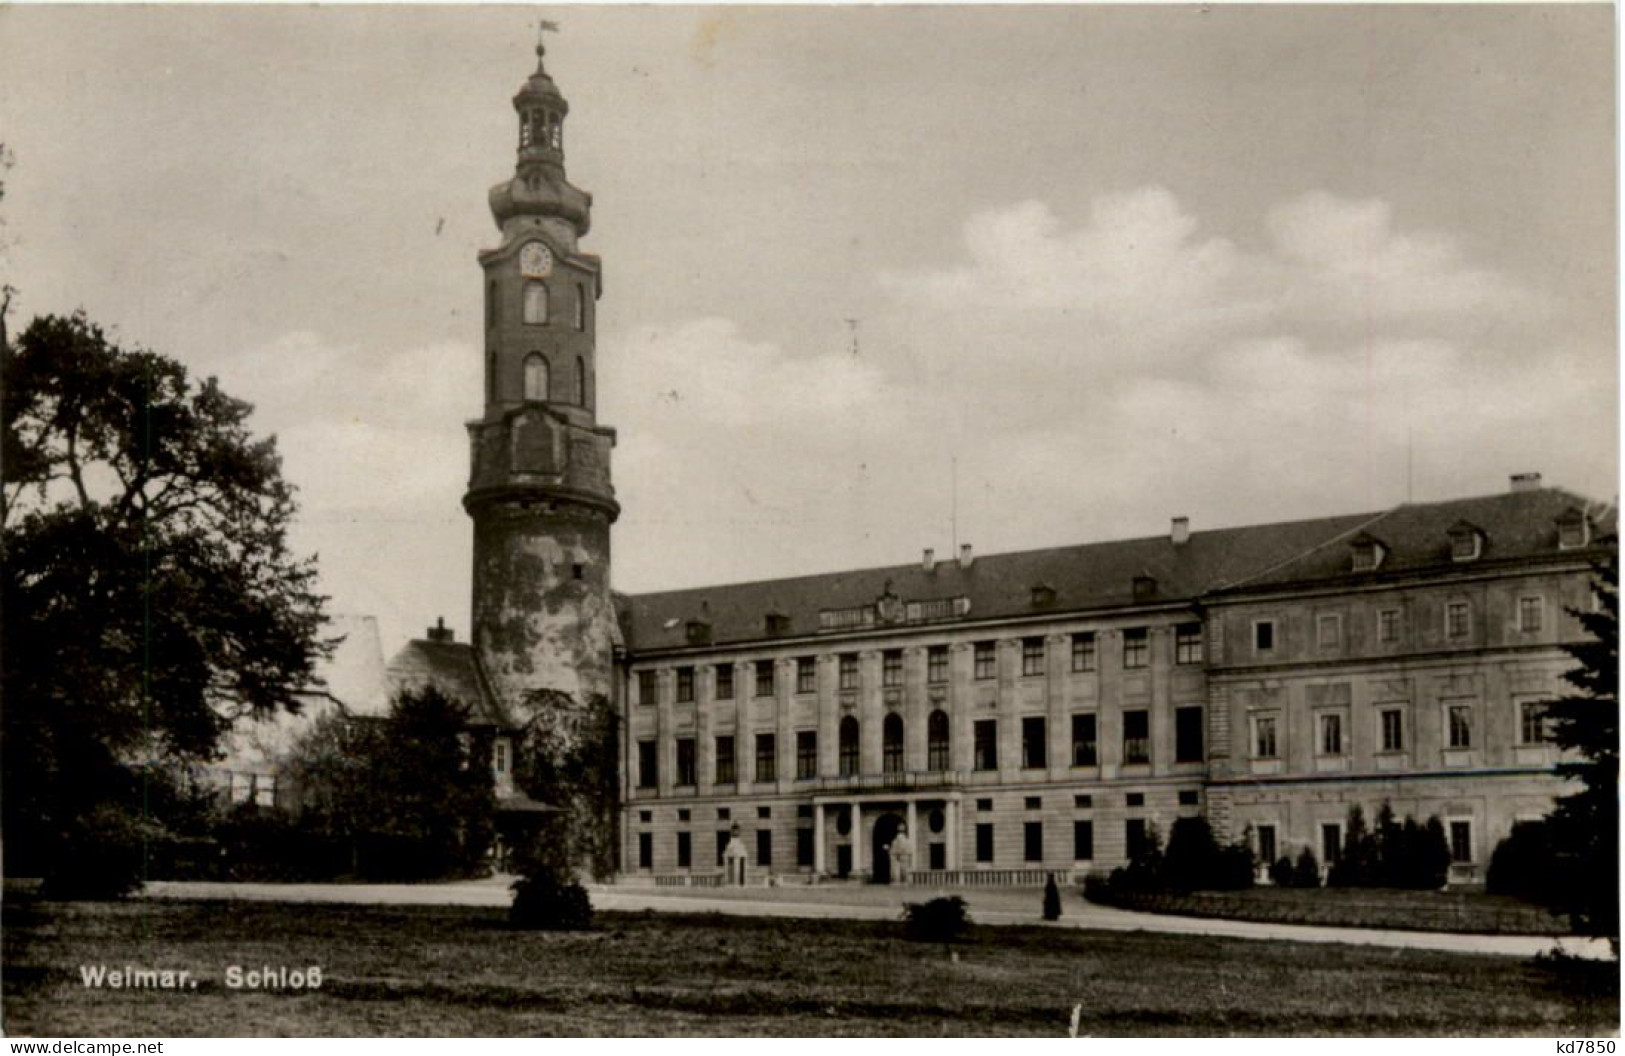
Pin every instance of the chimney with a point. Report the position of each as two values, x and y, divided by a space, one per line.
1180 533
440 632
1526 482
964 556
929 560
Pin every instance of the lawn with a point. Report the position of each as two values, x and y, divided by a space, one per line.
454 971
1361 907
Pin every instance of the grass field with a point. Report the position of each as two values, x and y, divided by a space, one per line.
453 971
1361 907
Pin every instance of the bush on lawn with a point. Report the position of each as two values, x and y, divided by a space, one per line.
939 920
1196 862
549 900
103 856
1410 855
1306 871
1281 872
1523 864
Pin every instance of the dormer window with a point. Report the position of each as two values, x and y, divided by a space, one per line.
1369 553
777 623
698 632
1573 529
1043 596
1145 587
1466 542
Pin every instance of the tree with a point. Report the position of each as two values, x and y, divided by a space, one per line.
1584 827
410 794
151 596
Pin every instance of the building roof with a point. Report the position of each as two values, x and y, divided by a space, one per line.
1102 576
452 668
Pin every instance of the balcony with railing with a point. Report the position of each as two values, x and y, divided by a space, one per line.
894 781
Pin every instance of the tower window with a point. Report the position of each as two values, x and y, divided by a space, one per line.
581 381
581 306
578 571
536 387
535 303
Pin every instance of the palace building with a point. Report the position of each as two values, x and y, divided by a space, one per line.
1021 714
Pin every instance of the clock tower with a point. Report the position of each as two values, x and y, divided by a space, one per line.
539 489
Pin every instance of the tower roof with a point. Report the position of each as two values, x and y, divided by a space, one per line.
539 187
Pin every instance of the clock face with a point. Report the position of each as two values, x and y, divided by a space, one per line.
535 260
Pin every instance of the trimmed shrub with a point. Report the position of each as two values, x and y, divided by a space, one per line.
1281 872
1052 899
548 901
1524 864
1306 871
939 920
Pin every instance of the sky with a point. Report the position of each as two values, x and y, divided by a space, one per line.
876 279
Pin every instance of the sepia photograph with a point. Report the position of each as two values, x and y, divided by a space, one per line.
1075 521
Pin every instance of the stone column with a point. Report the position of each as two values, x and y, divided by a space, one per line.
951 809
914 827
818 839
857 838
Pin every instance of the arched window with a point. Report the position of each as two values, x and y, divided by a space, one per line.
526 128
891 734
849 746
535 377
936 738
581 381
535 303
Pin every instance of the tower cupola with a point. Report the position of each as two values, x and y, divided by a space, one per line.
539 188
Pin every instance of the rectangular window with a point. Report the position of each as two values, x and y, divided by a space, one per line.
1263 636
1083 651
685 760
936 664
1393 730
806 674
1134 837
1331 843
804 848
986 738
1461 841
725 681
1331 733
1532 722
1136 737
648 691
722 843
500 763
764 847
1134 799
648 764
685 685
764 812
1388 626
1188 643
891 667
1033 753
1455 619
1459 718
1136 647
1189 797
1033 802
685 850
1266 844
984 804
1188 735
1083 840
535 304
646 850
725 760
986 661
1032 656
806 754
1530 614
764 678
1032 841
767 768
984 842
849 670
1329 630
724 813
1264 737
1083 802
581 306
1085 748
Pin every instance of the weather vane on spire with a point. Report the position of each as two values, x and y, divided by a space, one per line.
543 28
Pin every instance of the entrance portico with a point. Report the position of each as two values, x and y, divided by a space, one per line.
863 812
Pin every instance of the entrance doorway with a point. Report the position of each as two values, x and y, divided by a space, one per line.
886 827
